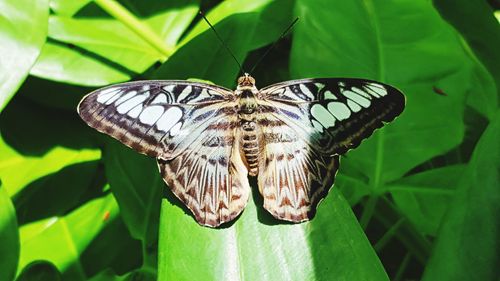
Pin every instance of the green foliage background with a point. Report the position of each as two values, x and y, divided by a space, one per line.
418 200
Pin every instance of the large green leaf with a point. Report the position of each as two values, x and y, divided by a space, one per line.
137 186
424 197
40 271
67 7
380 40
18 52
242 32
24 160
61 240
467 244
257 247
60 63
108 38
481 31
9 237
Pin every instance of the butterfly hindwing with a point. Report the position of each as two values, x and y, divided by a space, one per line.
334 114
154 117
209 177
293 177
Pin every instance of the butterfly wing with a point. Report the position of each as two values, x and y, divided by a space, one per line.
156 118
306 124
190 128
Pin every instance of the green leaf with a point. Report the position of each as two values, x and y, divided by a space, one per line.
18 52
467 244
424 197
23 160
137 186
224 10
40 271
242 33
380 40
67 7
257 247
107 38
61 240
9 237
477 24
60 63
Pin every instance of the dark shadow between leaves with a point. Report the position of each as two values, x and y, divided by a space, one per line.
59 193
122 252
34 130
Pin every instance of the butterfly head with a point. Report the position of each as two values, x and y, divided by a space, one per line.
246 81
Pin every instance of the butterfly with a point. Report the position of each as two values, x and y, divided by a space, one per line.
208 139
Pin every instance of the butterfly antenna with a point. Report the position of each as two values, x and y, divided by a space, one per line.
274 44
223 43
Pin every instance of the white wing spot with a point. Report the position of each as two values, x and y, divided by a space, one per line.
112 99
357 98
322 115
134 113
317 126
169 118
185 93
320 86
160 98
151 114
106 94
341 84
378 89
354 106
175 129
361 92
131 103
329 95
125 97
306 91
339 110
169 88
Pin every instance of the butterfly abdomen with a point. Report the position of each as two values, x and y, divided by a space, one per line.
249 135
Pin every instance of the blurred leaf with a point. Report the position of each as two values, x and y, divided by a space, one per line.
241 32
224 10
477 24
61 240
137 186
35 142
138 275
257 247
467 244
60 63
9 237
67 7
108 38
379 41
17 170
18 52
40 271
424 197
483 95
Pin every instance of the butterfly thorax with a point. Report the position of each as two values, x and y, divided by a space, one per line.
247 110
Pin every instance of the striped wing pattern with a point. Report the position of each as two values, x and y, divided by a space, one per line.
293 176
190 128
156 118
307 124
334 114
194 131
